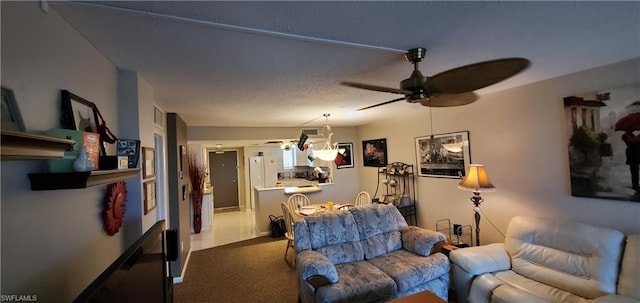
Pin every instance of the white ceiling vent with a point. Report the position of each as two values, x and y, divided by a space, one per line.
312 132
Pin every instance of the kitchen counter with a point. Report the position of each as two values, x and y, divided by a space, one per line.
208 190
268 201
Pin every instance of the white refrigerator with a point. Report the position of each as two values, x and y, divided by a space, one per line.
263 172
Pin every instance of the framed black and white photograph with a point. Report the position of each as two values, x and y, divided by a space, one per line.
374 152
149 196
11 118
345 155
78 113
443 155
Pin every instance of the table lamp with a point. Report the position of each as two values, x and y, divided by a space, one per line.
477 181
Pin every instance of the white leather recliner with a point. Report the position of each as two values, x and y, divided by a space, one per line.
544 260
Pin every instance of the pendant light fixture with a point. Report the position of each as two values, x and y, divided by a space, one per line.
329 151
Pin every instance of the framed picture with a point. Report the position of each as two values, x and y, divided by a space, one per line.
183 153
444 155
149 162
11 118
345 159
78 113
374 152
149 196
603 142
131 149
157 116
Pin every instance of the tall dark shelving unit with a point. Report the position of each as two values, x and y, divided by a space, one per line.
399 182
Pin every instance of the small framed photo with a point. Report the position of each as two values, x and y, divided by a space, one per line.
78 113
345 155
149 162
129 148
443 155
11 118
149 196
374 152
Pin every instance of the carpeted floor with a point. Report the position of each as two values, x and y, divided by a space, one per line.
248 271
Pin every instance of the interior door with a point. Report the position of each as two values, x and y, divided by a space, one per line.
224 179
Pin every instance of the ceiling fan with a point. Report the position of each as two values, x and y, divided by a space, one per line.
453 87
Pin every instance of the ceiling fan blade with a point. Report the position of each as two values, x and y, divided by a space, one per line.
383 103
478 75
376 88
449 100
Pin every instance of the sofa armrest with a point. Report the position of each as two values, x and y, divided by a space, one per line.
316 268
615 299
422 241
481 259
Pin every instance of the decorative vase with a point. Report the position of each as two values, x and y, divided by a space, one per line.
196 198
82 163
197 223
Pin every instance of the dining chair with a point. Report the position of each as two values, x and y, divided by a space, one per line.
363 198
297 199
288 222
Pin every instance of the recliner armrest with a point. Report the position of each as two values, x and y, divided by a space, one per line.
422 241
316 268
481 259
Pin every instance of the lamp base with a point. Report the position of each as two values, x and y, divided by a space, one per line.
477 200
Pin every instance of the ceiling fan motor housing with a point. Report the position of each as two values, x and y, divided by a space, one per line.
416 84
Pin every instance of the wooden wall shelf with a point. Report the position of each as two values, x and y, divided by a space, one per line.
24 146
53 181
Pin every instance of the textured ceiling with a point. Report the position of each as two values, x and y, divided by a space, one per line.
280 63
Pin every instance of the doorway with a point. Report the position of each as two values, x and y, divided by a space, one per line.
224 179
162 208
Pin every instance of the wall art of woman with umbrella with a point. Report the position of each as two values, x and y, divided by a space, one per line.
629 124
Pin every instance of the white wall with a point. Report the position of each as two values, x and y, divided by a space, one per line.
135 113
520 136
53 243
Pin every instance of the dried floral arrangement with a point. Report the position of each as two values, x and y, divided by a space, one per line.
197 173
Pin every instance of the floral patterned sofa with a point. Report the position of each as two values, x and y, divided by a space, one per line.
367 254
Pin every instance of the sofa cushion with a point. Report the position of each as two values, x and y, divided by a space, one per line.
573 257
379 226
539 290
357 282
409 270
335 235
630 273
507 294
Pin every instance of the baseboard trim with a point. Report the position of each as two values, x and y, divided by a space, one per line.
178 280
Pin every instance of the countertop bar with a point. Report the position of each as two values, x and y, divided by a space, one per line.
268 201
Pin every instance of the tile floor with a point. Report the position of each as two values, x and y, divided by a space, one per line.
227 227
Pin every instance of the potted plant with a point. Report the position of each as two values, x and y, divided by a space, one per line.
197 174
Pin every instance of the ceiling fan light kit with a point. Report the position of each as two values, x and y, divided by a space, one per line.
453 87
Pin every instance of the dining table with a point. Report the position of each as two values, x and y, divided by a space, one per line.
311 209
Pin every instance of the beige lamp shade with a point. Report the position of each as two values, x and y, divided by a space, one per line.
476 180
